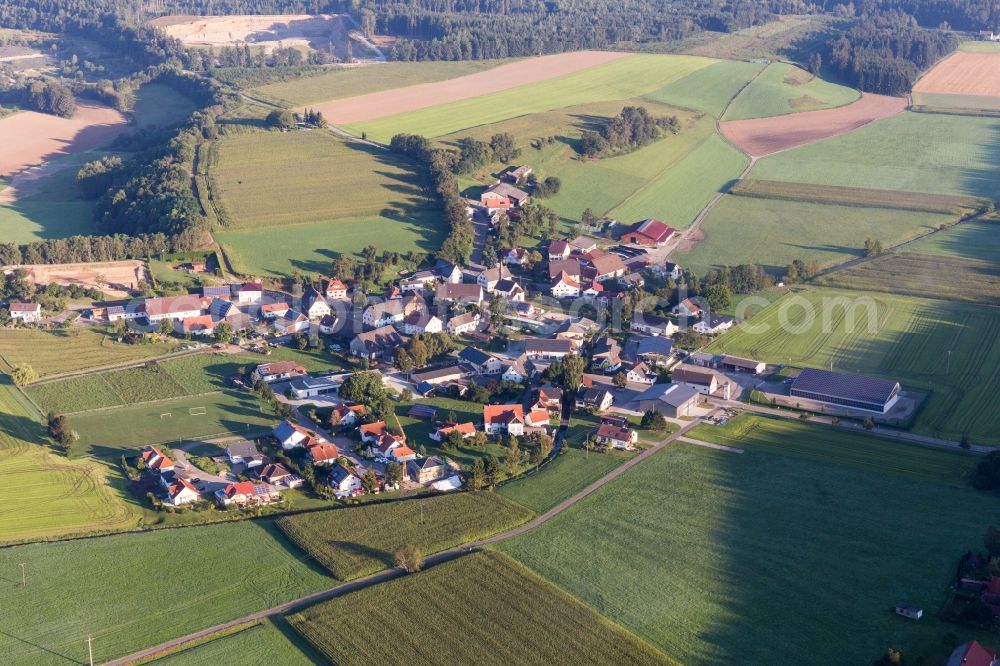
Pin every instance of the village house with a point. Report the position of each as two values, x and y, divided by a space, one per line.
548 397
278 371
379 344
437 376
595 399
200 325
516 174
292 436
392 311
402 454
250 292
180 491
328 325
489 278
421 322
244 453
606 267
499 419
293 321
479 361
547 349
322 454
314 304
518 370
564 286
464 323
348 415
336 290
427 470
516 256
156 461
467 430
650 324
464 294
582 245
278 475
502 196
536 418
29 313
703 381
420 280
246 494
615 436
558 250
668 269
687 308
648 232
274 310
606 354
655 350
631 281
343 481
972 653
641 373
713 324
173 307
509 290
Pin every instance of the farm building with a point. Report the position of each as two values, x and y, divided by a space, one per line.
910 611
737 364
29 313
381 343
503 196
422 412
702 381
671 400
517 174
857 391
644 322
173 307
544 348
451 373
648 232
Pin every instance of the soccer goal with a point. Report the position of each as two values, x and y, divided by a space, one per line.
166 415
196 411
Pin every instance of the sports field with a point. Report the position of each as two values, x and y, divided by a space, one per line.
166 583
909 340
43 495
358 541
774 232
783 88
483 608
914 152
717 557
59 351
621 79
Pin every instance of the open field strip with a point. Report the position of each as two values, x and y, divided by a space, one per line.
971 240
626 78
688 550
775 232
784 88
486 608
911 152
58 351
512 75
908 341
559 479
339 83
857 196
971 105
166 583
710 89
259 643
159 105
367 537
45 496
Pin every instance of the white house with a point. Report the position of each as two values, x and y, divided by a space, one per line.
290 435
314 305
616 436
488 279
641 374
274 310
467 294
29 313
419 281
392 311
503 418
644 322
517 371
516 256
278 370
687 308
250 292
291 322
343 481
558 250
564 286
480 361
464 323
421 322
713 324
596 398
509 291
180 491
244 453
336 290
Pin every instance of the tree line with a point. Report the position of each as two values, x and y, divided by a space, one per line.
630 130
45 96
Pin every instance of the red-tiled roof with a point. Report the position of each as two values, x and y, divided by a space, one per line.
468 428
503 413
323 452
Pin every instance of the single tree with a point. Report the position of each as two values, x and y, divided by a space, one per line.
477 477
409 558
393 472
620 379
223 332
653 420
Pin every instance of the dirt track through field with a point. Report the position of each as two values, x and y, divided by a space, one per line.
963 74
504 77
765 136
29 138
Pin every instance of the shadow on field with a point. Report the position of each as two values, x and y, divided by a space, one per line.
41 647
362 550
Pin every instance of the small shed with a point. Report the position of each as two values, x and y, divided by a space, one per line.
910 611
422 412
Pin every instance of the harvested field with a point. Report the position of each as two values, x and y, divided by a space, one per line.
856 196
321 32
402 100
963 74
116 277
765 136
30 138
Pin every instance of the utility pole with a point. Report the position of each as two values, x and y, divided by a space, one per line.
948 370
24 578
90 649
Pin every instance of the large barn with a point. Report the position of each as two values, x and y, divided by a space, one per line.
856 391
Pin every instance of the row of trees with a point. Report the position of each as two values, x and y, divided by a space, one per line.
474 154
86 249
630 130
45 96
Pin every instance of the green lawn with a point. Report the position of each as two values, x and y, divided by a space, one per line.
43 495
717 557
914 152
166 583
974 240
482 608
783 88
418 432
53 207
773 232
143 384
327 179
76 394
710 89
341 83
899 337
626 78
203 373
560 479
972 104
160 105
266 642
58 351
357 541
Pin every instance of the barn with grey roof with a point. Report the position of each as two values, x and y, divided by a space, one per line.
855 391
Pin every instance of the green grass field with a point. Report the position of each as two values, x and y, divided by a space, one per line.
328 179
260 643
958 104
76 394
482 608
43 495
143 384
59 351
973 240
783 88
160 105
560 479
857 196
166 583
915 274
626 78
53 207
900 337
418 431
710 89
341 83
980 47
358 541
716 557
914 152
110 432
774 232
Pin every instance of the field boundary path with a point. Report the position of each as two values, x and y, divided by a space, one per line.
119 366
396 572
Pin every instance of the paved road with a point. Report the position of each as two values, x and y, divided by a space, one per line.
389 574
